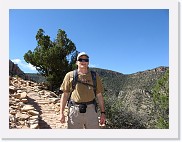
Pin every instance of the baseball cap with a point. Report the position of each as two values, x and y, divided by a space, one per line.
82 54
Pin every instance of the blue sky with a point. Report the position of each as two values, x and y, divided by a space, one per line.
126 41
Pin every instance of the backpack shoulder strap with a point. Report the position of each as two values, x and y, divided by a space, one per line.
93 73
75 79
94 79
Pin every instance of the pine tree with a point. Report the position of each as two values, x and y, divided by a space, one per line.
53 59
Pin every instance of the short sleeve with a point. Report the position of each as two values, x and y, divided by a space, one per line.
100 88
66 85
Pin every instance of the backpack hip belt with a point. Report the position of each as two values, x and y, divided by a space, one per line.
87 103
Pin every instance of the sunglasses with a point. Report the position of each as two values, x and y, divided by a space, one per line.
83 60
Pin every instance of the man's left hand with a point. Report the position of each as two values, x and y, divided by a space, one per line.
102 119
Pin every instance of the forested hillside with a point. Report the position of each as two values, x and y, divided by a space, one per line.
137 101
115 83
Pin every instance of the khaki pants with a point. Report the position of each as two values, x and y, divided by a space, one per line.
88 120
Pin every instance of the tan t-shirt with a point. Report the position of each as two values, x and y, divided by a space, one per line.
81 93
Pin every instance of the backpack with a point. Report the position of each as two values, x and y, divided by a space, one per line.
75 80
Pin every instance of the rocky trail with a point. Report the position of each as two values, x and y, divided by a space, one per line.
31 106
48 111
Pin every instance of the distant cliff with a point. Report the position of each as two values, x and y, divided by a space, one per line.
15 70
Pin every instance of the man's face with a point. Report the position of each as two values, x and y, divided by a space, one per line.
83 62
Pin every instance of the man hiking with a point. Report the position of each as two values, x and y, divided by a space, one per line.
81 88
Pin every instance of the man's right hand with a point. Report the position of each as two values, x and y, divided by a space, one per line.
62 118
63 100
